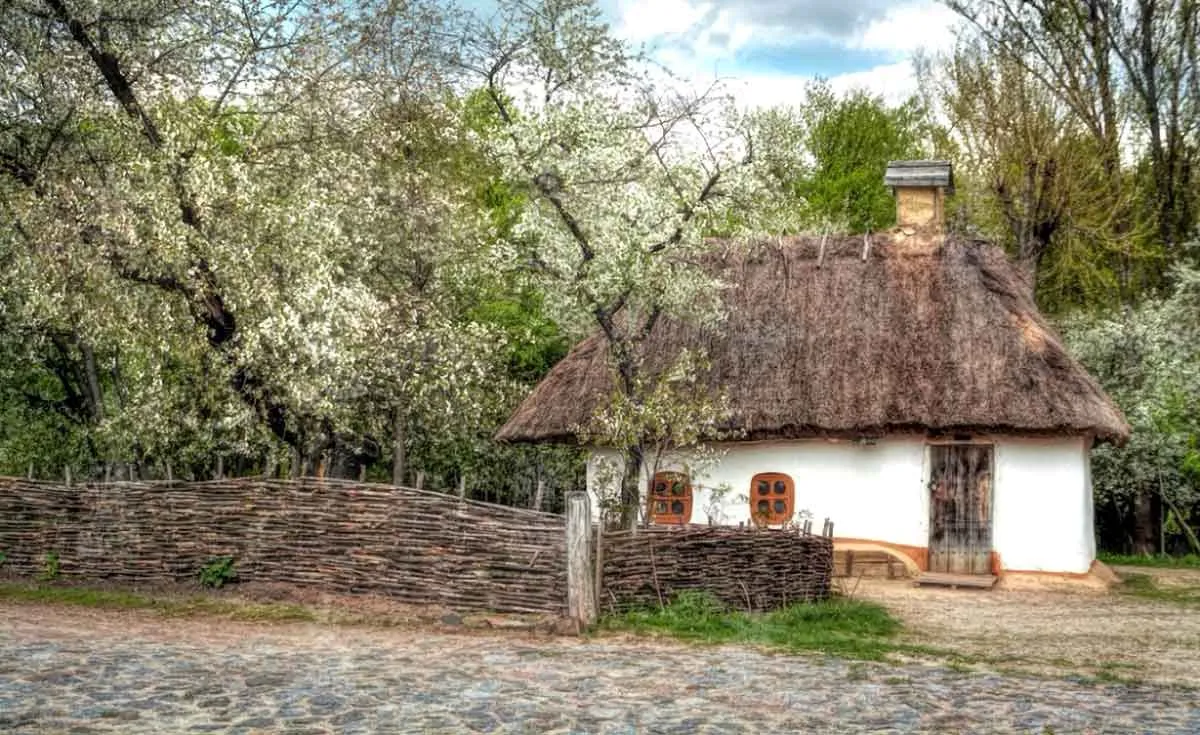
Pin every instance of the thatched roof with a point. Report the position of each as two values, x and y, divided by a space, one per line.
940 338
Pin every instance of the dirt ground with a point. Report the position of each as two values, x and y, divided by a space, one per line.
1058 629
82 670
1045 629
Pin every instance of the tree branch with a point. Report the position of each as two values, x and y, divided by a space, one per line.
110 68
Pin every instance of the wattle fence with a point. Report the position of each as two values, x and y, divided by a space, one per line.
749 569
413 546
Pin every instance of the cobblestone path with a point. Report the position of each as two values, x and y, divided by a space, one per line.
80 671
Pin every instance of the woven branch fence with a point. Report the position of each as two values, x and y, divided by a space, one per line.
746 568
414 546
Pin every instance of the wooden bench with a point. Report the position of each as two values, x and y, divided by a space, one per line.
866 563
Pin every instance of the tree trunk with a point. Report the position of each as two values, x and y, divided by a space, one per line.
297 468
1150 101
631 488
95 397
1105 95
539 493
1145 522
398 448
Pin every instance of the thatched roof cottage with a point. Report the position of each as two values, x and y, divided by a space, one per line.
903 385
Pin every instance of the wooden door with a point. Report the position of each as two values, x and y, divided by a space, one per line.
960 508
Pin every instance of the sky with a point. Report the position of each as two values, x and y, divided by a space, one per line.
767 50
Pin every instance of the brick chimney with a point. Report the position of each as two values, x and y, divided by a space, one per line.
920 188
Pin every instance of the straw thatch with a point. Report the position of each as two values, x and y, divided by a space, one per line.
915 337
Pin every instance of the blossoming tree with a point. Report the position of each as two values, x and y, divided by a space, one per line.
625 170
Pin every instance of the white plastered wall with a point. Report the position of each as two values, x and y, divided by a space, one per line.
1042 512
1042 503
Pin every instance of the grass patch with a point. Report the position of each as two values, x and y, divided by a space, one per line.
840 627
1144 586
73 596
197 605
1161 561
1108 676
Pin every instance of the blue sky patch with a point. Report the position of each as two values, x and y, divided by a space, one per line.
810 58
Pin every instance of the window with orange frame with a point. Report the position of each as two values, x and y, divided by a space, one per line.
772 499
670 498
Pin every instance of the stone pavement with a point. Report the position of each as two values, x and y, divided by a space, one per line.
82 671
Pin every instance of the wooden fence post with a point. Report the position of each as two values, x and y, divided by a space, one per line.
581 590
539 493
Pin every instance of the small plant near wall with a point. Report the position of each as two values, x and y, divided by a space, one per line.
715 507
606 482
3 558
50 567
218 572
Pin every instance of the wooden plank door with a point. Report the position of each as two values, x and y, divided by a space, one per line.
960 508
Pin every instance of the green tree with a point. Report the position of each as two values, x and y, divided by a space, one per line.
1148 359
850 140
1127 75
1032 178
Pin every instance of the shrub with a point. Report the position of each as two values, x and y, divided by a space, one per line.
50 566
218 572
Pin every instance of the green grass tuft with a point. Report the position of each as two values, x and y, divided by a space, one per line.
1161 561
841 627
1144 586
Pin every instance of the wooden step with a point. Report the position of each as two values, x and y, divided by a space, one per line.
954 581
867 563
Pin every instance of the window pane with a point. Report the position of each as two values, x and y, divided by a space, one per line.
763 507
780 507
660 507
677 507
780 487
660 488
763 487
677 488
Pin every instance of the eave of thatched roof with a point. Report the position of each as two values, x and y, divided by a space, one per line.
942 338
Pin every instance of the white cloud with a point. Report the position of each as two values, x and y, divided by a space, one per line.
894 82
641 21
907 28
768 90
728 24
702 40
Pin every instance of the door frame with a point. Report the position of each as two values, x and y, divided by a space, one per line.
926 488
